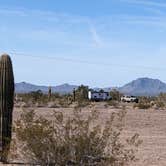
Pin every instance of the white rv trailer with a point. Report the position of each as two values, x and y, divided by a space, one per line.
98 96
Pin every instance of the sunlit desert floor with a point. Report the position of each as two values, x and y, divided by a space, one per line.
150 124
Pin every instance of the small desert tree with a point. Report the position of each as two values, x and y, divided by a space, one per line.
36 95
75 140
81 95
115 94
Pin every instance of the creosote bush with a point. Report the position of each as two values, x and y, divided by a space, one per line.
37 98
157 102
75 140
113 103
142 105
115 94
81 96
160 100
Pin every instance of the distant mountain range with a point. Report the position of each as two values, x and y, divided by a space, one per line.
24 87
139 87
144 87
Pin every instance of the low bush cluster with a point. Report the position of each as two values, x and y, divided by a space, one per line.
75 140
142 105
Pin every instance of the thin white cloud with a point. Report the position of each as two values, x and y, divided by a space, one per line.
11 12
44 15
69 19
57 37
152 7
145 2
95 36
54 27
151 22
62 31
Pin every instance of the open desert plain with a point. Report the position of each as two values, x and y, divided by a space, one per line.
150 124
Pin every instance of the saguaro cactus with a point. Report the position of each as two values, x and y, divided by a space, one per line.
6 104
49 92
74 94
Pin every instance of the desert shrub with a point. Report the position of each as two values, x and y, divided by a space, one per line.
113 103
142 105
34 97
55 96
81 96
115 94
39 99
160 100
63 102
162 96
82 103
147 102
144 99
160 104
81 93
74 140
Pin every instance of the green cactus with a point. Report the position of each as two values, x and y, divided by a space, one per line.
49 92
74 94
6 104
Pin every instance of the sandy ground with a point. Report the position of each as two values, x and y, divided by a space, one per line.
150 124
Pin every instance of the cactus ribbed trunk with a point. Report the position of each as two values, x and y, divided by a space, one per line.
74 95
6 104
49 92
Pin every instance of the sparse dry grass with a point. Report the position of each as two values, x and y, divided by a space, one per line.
77 139
150 124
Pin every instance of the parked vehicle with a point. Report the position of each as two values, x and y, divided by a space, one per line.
99 96
129 99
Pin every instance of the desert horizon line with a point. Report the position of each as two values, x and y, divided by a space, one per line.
78 84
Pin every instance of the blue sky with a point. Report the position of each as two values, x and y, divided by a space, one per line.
93 42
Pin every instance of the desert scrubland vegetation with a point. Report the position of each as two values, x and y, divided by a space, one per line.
66 130
104 133
77 138
79 131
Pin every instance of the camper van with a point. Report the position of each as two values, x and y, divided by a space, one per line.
98 96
